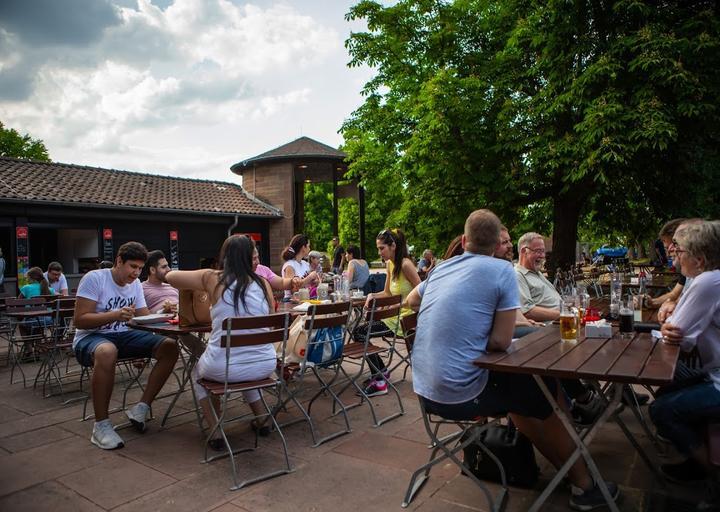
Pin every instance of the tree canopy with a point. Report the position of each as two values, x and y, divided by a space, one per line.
14 145
554 114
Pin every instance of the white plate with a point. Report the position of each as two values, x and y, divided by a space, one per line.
153 319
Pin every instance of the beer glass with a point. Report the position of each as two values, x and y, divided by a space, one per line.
568 319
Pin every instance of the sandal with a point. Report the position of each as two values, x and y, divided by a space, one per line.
262 431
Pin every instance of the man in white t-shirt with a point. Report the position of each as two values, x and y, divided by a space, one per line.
56 279
106 300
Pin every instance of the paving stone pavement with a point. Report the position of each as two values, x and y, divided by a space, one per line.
48 463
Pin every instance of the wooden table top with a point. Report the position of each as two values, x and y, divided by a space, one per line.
637 360
167 329
29 314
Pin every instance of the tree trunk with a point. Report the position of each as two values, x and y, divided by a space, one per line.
566 212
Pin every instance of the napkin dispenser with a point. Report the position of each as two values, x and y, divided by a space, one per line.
598 329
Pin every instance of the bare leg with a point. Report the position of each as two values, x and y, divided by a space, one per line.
258 409
103 378
166 355
550 437
207 404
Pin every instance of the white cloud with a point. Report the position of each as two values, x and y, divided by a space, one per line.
198 85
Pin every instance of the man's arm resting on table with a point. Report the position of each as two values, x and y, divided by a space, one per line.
541 314
87 318
502 331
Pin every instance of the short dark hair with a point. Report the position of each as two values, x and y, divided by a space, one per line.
482 232
55 266
132 251
669 228
154 257
354 250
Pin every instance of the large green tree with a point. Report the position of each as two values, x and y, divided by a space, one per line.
547 112
14 145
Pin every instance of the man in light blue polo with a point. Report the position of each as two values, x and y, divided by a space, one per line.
467 307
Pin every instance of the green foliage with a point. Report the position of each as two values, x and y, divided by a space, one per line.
14 145
561 114
318 214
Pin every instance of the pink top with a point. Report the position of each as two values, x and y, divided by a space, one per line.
265 272
157 294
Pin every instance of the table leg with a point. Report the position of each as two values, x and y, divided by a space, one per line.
581 447
188 365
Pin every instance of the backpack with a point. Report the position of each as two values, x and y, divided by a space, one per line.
326 345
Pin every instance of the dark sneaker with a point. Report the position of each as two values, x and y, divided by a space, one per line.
683 472
376 388
385 375
593 498
585 414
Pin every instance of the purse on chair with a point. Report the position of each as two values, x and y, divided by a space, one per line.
194 308
514 451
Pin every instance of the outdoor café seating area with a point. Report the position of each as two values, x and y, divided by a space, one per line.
339 456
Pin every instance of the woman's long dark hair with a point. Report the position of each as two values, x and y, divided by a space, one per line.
455 248
236 267
36 274
397 237
296 243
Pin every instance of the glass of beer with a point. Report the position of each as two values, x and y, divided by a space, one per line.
569 320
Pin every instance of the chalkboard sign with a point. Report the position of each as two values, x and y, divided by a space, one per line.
23 254
174 254
108 245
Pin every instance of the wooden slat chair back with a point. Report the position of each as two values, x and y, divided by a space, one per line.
408 323
466 433
277 326
379 309
321 316
23 336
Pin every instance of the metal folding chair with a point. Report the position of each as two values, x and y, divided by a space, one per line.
23 337
358 352
277 325
408 323
57 347
450 445
326 316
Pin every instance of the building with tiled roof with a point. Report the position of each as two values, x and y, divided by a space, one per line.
278 177
79 215
52 183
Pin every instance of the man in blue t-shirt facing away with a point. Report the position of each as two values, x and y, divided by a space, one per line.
468 307
107 299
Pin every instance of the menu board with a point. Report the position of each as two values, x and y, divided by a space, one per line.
174 254
108 244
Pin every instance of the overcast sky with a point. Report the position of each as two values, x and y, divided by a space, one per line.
175 87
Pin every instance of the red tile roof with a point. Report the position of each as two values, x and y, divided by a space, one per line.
302 148
24 180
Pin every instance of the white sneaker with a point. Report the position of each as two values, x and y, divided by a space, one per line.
105 437
137 414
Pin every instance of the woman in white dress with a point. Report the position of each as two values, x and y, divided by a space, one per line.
235 290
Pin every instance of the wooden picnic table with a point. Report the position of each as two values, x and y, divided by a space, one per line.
618 360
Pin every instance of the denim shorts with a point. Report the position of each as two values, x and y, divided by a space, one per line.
130 343
504 393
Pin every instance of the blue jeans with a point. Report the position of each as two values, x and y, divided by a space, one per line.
130 343
681 415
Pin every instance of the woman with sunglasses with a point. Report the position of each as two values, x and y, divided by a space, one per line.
682 411
402 277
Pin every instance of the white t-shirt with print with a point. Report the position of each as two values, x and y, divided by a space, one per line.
99 286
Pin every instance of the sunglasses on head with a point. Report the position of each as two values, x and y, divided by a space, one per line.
386 233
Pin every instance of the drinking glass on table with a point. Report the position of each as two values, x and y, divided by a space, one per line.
569 321
627 316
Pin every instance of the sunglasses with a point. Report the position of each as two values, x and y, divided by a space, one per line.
386 233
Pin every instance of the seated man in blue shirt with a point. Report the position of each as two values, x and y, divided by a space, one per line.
467 308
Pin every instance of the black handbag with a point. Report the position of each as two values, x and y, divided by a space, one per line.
511 447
